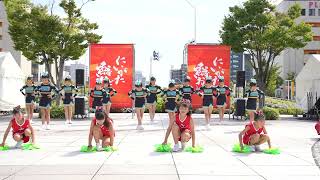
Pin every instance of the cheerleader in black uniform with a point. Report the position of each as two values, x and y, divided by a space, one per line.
253 96
221 92
186 90
171 96
206 93
97 94
139 95
68 92
46 95
110 92
28 91
152 97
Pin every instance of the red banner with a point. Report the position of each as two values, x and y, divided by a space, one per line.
208 60
115 61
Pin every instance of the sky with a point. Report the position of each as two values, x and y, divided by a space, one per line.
162 25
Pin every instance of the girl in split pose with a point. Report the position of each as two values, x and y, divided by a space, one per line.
152 97
29 91
47 92
68 92
22 131
252 136
101 129
171 96
139 94
206 93
110 92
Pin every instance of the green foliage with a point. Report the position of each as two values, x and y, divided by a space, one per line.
257 28
45 38
160 108
56 112
271 113
274 80
284 106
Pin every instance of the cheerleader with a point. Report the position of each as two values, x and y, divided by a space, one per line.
47 92
22 130
183 127
68 95
152 97
97 94
139 94
101 128
206 93
221 92
171 97
253 95
110 92
28 91
186 90
252 136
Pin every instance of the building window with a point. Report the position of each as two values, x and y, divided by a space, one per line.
314 24
303 12
314 51
316 38
312 12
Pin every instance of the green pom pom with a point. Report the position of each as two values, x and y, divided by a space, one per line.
163 148
197 149
273 151
86 149
110 148
237 148
4 148
29 146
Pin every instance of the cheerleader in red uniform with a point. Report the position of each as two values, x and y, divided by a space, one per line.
183 127
252 136
21 129
318 127
101 129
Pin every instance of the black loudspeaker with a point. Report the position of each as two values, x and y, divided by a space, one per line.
79 107
79 77
240 107
241 78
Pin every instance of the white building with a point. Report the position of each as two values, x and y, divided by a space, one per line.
6 44
293 60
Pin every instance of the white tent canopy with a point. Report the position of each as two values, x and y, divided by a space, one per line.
308 80
11 80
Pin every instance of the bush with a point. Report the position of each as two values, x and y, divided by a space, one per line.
271 113
56 112
160 108
284 106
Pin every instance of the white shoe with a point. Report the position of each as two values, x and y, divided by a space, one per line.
176 148
43 126
183 145
69 122
257 148
140 127
18 145
208 127
30 121
47 127
99 147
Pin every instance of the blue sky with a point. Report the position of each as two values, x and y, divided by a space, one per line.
162 25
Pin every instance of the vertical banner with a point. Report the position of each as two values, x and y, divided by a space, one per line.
115 61
208 60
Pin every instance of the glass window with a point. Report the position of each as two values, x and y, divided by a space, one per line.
312 12
303 12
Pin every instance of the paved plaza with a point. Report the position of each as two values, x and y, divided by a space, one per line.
60 158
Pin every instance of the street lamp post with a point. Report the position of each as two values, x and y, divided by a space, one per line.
195 19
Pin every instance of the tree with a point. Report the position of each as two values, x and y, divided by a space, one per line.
258 29
45 38
274 81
